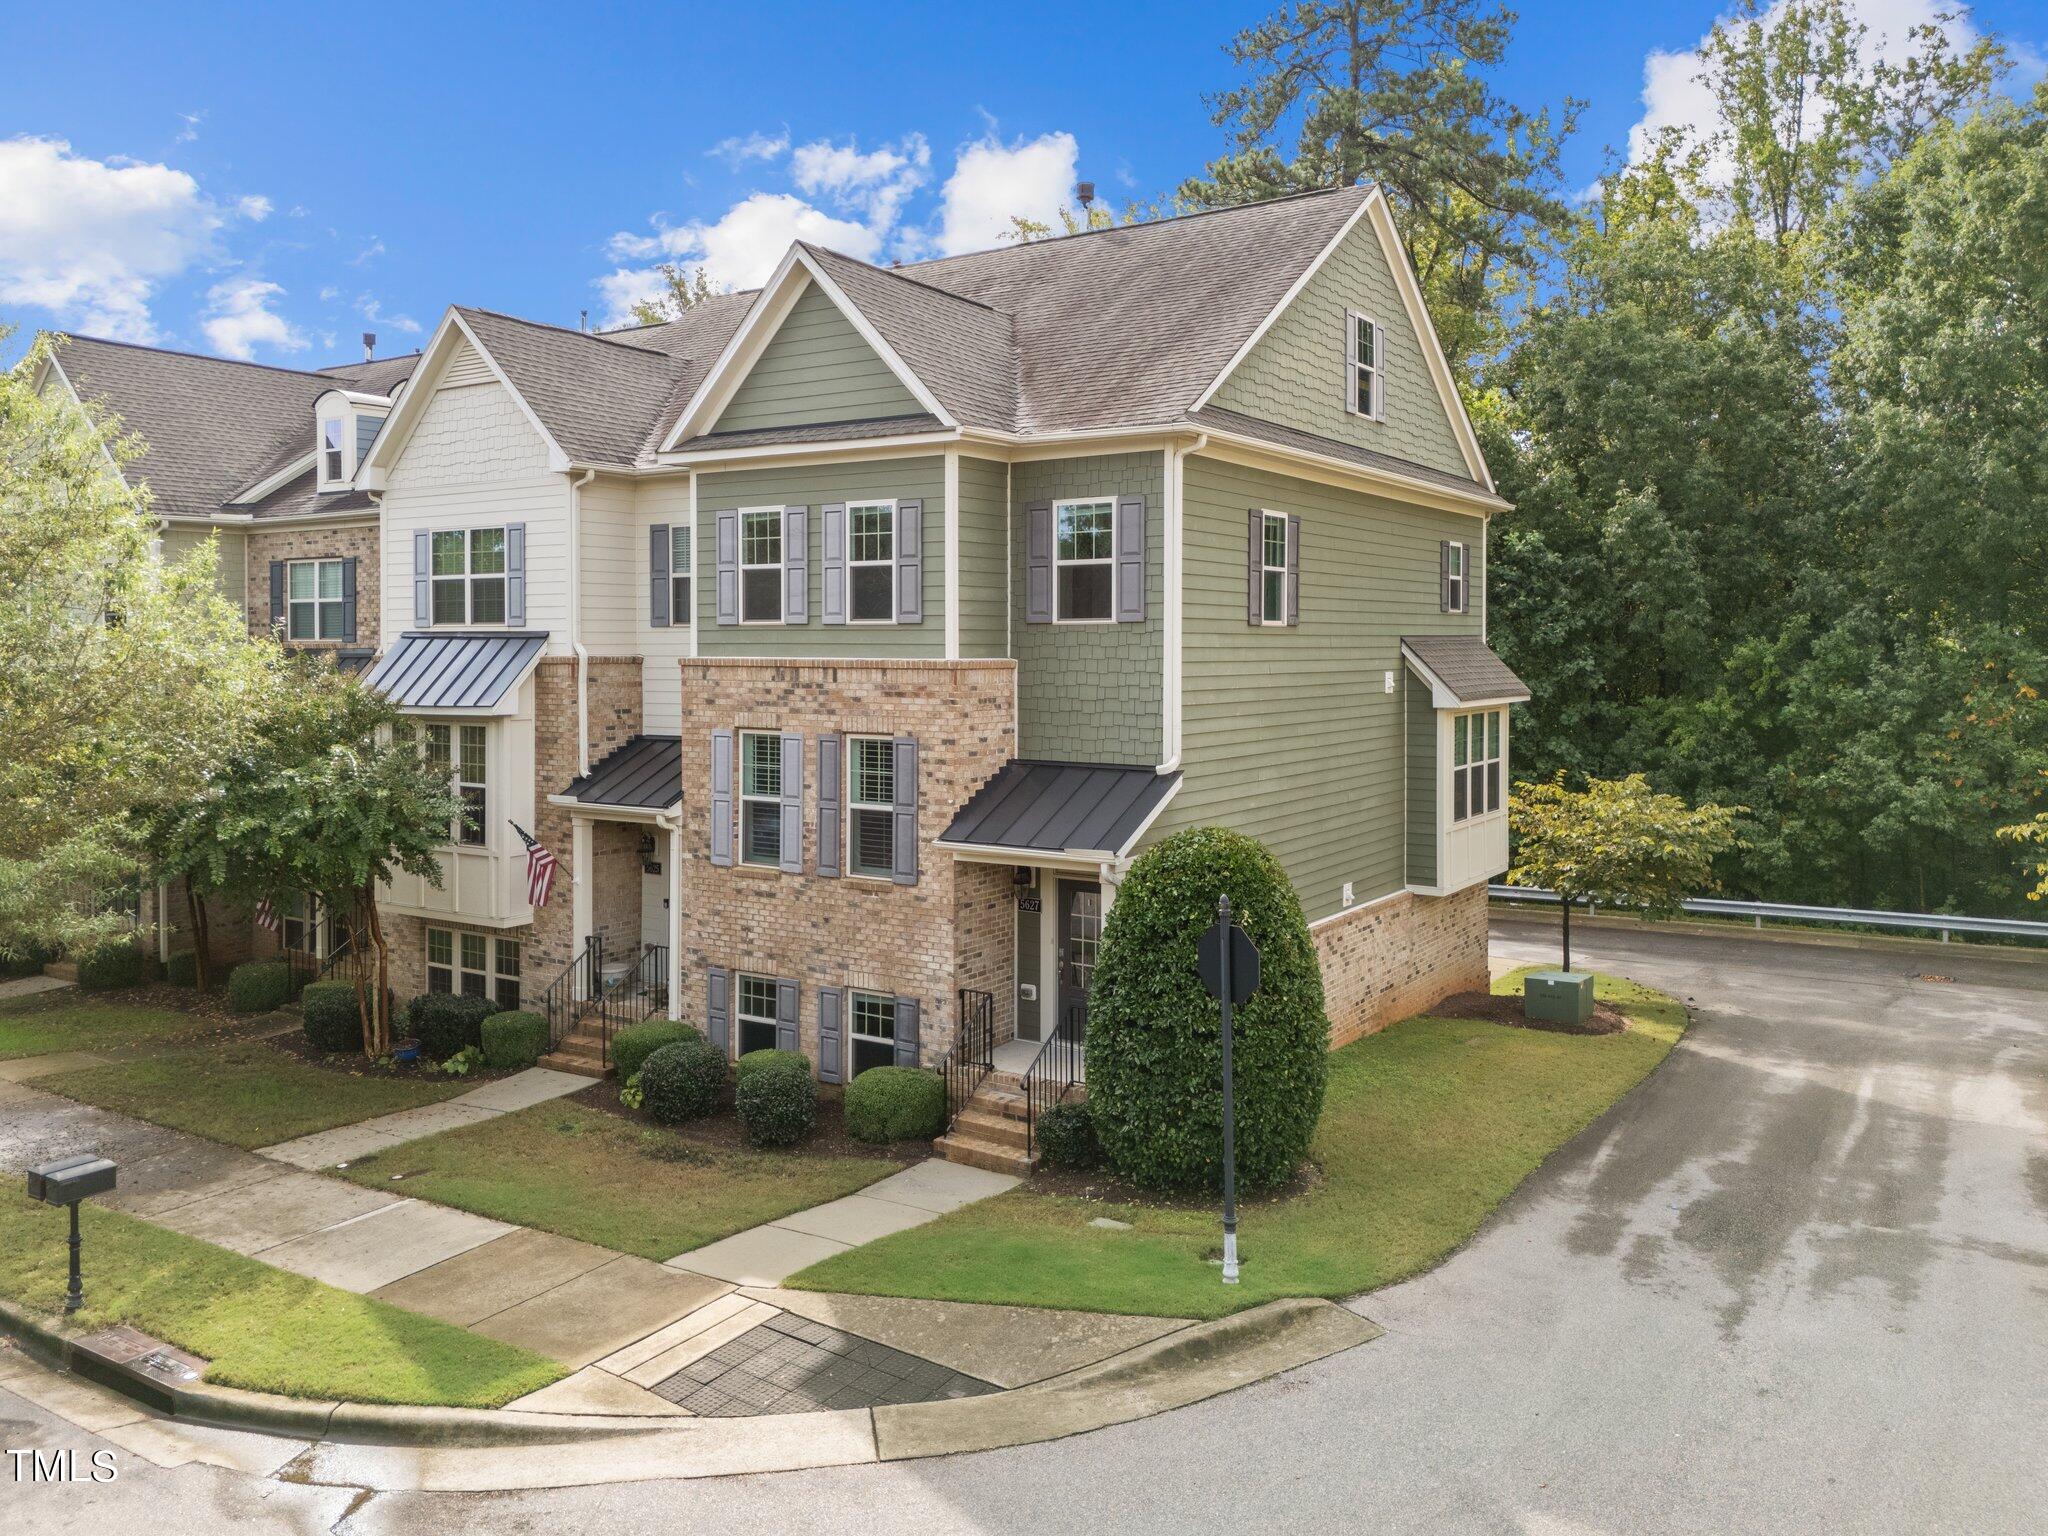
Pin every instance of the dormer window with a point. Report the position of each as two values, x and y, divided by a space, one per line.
333 450
345 424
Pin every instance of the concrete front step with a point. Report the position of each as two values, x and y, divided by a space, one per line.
63 970
582 1066
977 1123
976 1153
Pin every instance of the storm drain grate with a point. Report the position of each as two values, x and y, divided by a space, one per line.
790 1364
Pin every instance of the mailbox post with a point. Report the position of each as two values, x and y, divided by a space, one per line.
67 1181
1229 966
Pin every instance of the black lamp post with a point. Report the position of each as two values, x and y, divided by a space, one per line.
67 1181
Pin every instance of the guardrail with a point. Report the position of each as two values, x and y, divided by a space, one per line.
1943 923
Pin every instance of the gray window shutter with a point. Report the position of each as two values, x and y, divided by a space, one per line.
833 515
721 797
1130 559
906 1031
792 804
658 589
277 616
785 1014
829 778
831 1034
515 574
909 562
348 600
718 1010
905 861
728 536
1293 599
1443 570
1038 563
422 585
796 565
1255 568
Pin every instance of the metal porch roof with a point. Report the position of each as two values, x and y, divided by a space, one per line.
646 774
426 670
1050 807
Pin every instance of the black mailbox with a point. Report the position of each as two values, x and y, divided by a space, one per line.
69 1180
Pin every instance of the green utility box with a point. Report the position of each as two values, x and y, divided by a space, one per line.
1559 997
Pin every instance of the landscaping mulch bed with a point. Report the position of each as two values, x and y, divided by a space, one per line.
1494 1008
293 1042
721 1131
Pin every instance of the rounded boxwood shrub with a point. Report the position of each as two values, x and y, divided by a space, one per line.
333 1020
777 1100
682 1080
632 1046
1155 1063
445 1022
514 1041
1066 1137
259 986
755 1061
111 966
895 1104
182 969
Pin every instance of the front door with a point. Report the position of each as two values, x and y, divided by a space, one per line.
1079 937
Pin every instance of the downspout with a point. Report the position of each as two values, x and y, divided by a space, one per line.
576 620
1170 648
671 822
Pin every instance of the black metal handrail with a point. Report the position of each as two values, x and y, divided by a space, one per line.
973 1056
1053 1073
580 983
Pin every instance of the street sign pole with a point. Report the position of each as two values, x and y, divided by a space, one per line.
1229 1107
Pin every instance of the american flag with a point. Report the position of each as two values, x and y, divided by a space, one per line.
266 914
540 869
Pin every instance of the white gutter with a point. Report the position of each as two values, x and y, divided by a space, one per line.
1176 522
576 620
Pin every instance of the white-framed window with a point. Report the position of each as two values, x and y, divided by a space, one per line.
761 798
761 566
1365 346
756 1013
679 567
1273 569
871 1037
333 450
871 806
1084 561
300 925
313 597
475 964
1475 764
1456 586
469 576
871 562
460 751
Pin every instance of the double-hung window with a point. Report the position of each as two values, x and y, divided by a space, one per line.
314 594
761 798
871 563
474 964
300 925
761 566
1084 555
679 573
873 1035
1273 569
1455 584
333 449
469 576
1365 389
756 1013
1475 764
459 751
871 804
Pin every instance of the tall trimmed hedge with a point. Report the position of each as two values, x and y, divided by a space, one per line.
1155 1060
332 1016
257 986
514 1040
445 1023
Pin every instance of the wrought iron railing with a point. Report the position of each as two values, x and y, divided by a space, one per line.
1053 1073
581 981
581 997
973 1055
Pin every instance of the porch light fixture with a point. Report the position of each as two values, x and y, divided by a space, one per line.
1020 877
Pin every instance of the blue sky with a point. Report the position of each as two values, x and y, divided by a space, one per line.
239 180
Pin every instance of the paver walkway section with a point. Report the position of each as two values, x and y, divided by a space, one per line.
346 1143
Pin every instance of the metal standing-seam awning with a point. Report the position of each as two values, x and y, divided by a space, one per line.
1091 811
644 774
426 671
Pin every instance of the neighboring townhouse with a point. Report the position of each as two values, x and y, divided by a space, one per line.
261 460
846 640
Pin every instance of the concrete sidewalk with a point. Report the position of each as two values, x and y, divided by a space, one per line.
345 1143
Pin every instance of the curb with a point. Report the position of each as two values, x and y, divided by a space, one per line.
1511 911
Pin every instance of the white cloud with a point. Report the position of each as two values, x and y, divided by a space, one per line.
368 253
737 151
994 182
90 240
188 128
240 318
877 183
372 310
737 251
255 208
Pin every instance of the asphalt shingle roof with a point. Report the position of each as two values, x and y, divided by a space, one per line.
1465 665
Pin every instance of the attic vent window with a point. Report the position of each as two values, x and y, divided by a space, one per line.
333 437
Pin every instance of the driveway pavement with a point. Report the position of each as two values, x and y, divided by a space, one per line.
1797 1282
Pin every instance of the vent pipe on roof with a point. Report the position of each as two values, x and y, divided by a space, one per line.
1085 192
369 345
583 321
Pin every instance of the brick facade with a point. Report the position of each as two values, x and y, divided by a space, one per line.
1395 958
927 940
334 542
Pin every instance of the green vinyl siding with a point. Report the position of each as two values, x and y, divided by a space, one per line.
1422 778
1090 692
1289 734
812 486
178 540
1295 375
817 367
984 558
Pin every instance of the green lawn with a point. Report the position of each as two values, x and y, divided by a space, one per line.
610 1181
34 1027
244 1092
1427 1127
264 1329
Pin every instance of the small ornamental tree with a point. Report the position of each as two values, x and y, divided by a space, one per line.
1617 842
1155 1057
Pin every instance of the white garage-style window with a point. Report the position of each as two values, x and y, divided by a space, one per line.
1475 765
313 589
872 1039
469 576
871 561
871 806
756 1013
761 566
1084 558
761 798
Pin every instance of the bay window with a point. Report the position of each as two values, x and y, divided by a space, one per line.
1475 765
